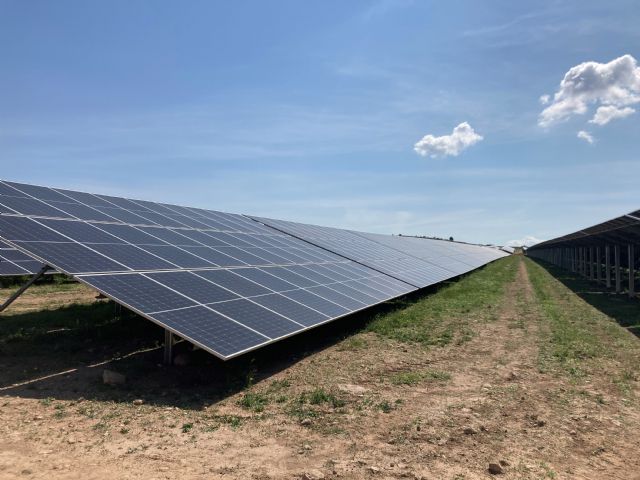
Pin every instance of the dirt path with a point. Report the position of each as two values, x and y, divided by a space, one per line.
367 407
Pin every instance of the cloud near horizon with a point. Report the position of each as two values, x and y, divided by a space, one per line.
462 137
612 86
526 241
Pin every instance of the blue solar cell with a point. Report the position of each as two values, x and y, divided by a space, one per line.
291 309
242 255
13 255
264 278
233 282
26 229
311 274
85 198
172 237
257 318
139 292
336 297
82 212
80 231
10 191
211 330
159 219
291 277
130 234
7 268
317 303
42 193
177 256
193 286
71 258
184 220
133 257
31 206
207 238
124 216
215 257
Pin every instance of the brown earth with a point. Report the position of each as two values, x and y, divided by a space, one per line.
381 409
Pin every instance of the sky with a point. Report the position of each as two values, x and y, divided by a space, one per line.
488 121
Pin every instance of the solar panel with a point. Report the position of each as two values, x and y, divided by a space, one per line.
222 281
14 262
417 261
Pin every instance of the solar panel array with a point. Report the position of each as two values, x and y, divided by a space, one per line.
224 282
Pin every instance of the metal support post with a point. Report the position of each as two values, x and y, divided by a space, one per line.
616 263
23 288
607 265
169 341
598 265
632 270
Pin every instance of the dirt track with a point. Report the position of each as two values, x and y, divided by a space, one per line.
367 407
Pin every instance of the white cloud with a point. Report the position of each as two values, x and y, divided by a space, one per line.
616 84
544 99
607 113
527 241
586 136
462 137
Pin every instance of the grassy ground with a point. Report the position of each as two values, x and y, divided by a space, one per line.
443 318
507 366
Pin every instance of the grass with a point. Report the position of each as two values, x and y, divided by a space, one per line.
306 404
254 401
320 395
577 339
448 315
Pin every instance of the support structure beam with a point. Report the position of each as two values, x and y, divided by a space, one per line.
598 265
616 262
23 288
169 341
632 269
607 265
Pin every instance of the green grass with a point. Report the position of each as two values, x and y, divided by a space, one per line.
320 395
306 404
577 338
448 315
254 401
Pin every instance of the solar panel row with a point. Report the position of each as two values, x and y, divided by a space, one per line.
225 282
417 261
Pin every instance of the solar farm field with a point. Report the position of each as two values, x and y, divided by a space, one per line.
515 365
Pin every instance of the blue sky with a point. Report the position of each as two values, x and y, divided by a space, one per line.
310 111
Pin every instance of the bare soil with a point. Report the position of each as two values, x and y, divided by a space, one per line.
364 407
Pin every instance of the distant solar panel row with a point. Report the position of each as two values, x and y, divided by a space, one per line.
225 282
418 261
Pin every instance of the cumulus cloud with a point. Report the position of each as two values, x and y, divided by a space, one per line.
545 99
607 113
586 136
462 137
615 84
527 241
